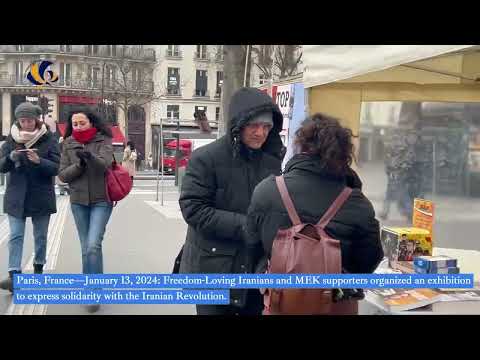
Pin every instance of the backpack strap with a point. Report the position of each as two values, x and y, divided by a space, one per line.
287 200
333 209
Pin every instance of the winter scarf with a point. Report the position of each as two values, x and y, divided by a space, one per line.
28 138
84 136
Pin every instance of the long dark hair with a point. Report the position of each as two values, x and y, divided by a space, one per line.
324 137
94 118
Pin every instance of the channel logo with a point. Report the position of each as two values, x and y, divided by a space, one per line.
40 73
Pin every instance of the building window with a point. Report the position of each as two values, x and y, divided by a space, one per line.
173 50
201 52
112 50
218 92
201 83
110 76
65 74
19 47
66 48
201 109
93 76
262 79
92 50
217 114
219 54
19 75
173 81
173 112
136 78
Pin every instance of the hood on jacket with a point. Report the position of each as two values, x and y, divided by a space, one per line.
312 164
245 104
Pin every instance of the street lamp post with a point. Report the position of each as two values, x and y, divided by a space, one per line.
160 161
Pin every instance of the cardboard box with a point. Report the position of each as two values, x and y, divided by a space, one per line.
404 244
432 263
444 270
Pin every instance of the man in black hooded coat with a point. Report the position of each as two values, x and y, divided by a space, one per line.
215 196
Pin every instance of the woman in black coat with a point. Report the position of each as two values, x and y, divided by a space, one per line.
314 178
31 156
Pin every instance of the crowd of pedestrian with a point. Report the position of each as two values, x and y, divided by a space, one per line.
231 195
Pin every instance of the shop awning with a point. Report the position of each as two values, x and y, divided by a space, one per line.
118 137
329 63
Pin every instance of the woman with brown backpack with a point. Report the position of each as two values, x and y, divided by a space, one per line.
314 219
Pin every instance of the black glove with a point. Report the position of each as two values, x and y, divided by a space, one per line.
84 154
81 155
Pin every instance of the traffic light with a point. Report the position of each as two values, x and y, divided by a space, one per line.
50 106
46 105
43 103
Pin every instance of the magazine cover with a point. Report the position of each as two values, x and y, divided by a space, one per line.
405 244
406 299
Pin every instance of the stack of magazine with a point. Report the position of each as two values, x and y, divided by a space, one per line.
395 300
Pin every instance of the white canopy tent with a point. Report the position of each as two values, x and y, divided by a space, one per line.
330 63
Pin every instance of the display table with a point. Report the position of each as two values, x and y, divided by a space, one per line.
371 305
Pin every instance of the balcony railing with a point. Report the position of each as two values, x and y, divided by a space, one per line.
173 54
12 80
201 93
103 51
174 92
81 83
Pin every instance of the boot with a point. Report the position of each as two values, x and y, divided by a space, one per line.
38 268
7 284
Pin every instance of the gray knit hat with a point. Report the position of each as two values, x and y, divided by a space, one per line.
28 110
262 118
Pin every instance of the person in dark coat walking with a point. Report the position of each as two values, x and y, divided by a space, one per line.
314 178
31 156
216 191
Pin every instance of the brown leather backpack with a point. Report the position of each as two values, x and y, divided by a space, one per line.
306 249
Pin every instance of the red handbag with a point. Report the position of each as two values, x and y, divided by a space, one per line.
118 182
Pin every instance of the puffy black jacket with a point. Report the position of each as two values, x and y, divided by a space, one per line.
31 187
217 187
313 191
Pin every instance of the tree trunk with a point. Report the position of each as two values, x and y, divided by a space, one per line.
125 104
234 72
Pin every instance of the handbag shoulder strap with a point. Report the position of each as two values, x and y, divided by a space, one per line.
287 200
333 209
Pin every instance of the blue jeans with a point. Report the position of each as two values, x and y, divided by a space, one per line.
91 223
17 235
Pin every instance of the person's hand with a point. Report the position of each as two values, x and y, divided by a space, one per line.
14 156
33 156
85 155
81 155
